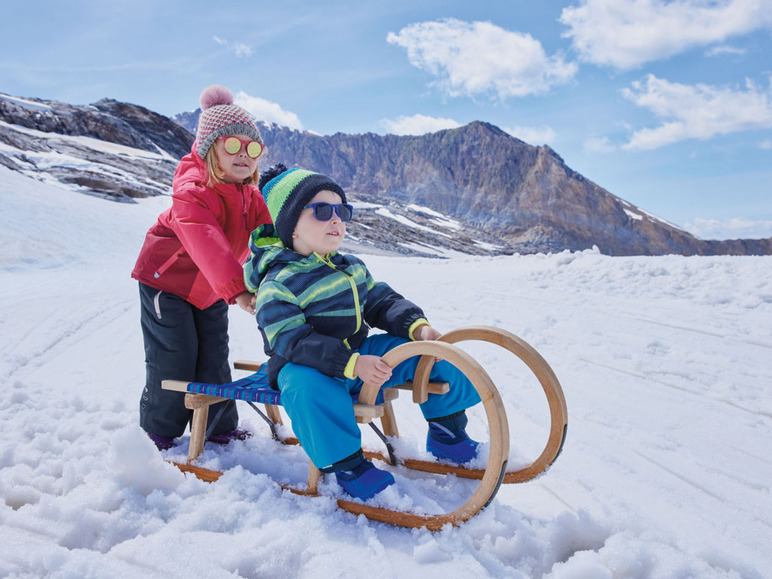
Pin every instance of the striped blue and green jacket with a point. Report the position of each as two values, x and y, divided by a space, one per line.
316 311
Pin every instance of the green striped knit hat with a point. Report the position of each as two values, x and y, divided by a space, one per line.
288 191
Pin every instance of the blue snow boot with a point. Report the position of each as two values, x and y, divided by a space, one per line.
365 481
447 439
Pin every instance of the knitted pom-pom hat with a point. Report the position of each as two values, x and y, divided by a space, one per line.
220 118
286 192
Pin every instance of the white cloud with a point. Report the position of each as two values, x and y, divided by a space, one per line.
418 125
240 49
723 49
599 144
766 145
267 111
733 228
480 58
533 135
627 33
696 111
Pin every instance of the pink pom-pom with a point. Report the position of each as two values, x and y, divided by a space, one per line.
215 95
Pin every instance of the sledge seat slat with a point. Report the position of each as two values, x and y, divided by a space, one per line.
252 388
248 365
433 388
176 385
366 412
195 401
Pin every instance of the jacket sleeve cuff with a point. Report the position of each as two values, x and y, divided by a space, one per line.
234 289
416 324
348 372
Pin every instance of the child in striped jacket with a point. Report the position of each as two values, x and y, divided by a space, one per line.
314 308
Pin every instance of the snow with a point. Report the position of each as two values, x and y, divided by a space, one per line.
632 215
90 142
666 471
27 104
405 221
439 218
637 213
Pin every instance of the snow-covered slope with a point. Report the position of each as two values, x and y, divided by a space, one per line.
666 471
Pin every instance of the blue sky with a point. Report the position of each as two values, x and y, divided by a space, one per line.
667 105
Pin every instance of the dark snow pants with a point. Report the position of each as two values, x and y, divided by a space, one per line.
182 342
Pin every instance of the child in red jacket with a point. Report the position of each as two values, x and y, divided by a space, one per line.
190 268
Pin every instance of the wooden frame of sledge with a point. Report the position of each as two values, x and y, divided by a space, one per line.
366 410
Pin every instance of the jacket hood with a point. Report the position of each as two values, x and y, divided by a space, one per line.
267 255
191 169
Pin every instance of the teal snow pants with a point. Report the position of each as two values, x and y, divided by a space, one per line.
320 408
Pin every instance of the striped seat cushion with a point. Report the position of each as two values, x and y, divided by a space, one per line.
253 388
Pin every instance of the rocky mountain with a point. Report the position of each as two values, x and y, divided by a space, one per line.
473 190
525 196
110 149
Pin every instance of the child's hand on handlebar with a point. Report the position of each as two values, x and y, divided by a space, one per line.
372 370
425 333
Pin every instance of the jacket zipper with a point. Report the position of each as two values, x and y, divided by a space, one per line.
244 208
354 291
167 264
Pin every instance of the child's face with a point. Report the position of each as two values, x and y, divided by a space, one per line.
236 167
317 236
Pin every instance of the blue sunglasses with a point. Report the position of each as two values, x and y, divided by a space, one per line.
323 211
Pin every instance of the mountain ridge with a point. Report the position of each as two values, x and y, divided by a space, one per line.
524 195
474 189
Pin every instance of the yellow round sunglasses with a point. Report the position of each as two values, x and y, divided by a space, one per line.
233 146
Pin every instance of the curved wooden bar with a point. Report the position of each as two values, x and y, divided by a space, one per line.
549 382
497 423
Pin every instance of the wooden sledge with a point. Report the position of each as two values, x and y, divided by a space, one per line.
374 403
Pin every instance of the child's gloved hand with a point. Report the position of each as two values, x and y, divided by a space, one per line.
372 370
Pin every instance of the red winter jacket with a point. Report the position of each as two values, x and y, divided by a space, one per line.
197 247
